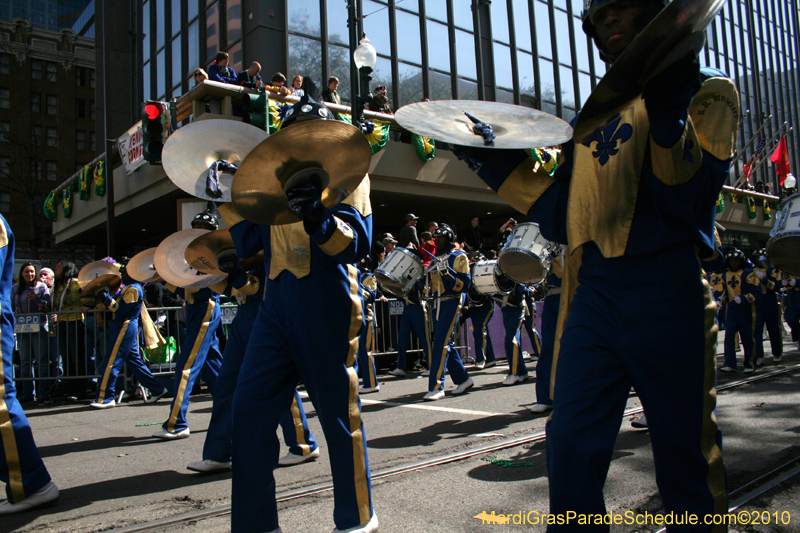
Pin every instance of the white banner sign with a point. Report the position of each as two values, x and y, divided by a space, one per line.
130 148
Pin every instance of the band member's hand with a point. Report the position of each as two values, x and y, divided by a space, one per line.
737 299
101 293
760 275
304 199
473 156
674 80
792 282
228 262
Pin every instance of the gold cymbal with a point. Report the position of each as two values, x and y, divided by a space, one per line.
94 270
171 264
142 267
109 281
514 126
335 153
191 149
203 251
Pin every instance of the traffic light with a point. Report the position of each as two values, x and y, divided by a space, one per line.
256 108
152 131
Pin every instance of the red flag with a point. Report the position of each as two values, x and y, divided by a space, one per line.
781 159
748 167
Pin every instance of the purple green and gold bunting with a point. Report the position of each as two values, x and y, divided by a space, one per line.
66 201
720 203
100 178
50 207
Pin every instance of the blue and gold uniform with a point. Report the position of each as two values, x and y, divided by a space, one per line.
414 318
307 328
129 311
448 287
791 303
513 308
248 289
21 467
530 323
366 363
768 312
742 287
544 366
481 311
199 354
634 201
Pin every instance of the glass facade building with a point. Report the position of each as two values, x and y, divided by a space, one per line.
528 52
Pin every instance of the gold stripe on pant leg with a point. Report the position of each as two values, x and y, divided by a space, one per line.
299 430
443 357
9 438
112 359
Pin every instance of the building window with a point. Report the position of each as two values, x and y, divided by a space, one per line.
80 76
52 70
80 108
92 141
5 131
36 103
5 202
51 171
36 135
91 109
91 78
5 98
52 104
36 170
36 69
5 166
52 138
80 140
5 64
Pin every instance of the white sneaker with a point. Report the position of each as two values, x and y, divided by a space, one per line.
463 387
169 435
513 380
540 408
777 358
153 398
209 466
101 405
399 372
480 365
749 370
369 527
434 395
490 364
291 459
47 495
640 423
366 390
426 373
727 369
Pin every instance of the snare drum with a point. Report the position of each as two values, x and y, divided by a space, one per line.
399 272
488 278
522 258
783 247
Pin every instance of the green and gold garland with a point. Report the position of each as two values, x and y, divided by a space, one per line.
424 146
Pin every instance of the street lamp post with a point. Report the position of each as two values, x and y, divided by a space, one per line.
365 58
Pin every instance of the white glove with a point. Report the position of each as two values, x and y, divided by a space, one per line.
738 299
760 275
792 282
785 282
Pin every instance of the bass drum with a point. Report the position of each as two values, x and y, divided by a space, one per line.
399 272
488 279
522 258
783 247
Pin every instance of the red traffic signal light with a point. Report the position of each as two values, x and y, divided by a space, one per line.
152 111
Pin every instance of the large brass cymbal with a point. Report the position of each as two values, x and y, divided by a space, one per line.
191 149
142 267
676 31
172 266
203 251
335 153
95 269
108 281
514 126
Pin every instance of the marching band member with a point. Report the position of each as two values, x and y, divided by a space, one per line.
292 340
448 282
414 318
200 349
544 365
634 200
513 308
481 311
530 322
366 363
28 484
768 308
129 312
742 287
791 313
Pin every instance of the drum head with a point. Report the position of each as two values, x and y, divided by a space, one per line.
389 283
522 266
784 252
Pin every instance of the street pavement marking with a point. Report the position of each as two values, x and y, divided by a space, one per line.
432 408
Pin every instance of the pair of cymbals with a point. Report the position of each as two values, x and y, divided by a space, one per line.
95 276
202 252
169 260
142 267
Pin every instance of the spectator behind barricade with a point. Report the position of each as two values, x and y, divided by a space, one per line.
431 227
251 78
471 237
199 76
408 233
297 86
279 81
220 71
52 368
380 101
389 242
71 330
428 247
330 94
26 296
506 230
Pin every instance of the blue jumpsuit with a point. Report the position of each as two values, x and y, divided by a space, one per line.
481 311
199 352
530 323
414 318
123 346
768 313
366 363
634 200
449 292
249 289
307 328
21 467
740 317
544 366
512 306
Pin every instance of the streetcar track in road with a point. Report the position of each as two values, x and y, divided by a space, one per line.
768 480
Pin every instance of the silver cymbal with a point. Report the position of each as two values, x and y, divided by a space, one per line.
191 149
203 251
142 267
677 30
172 266
109 281
95 269
515 126
334 152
